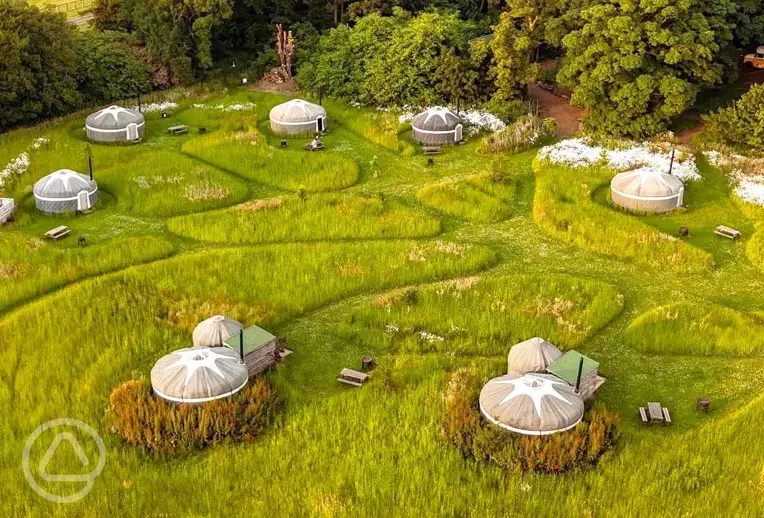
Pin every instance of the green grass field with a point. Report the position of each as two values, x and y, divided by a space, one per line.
361 249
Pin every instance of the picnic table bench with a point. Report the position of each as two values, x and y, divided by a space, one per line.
654 414
58 232
431 150
177 130
729 233
351 377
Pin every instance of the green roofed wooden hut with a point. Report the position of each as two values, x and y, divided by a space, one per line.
566 368
258 347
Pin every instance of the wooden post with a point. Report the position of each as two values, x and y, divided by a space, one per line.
671 167
241 345
90 166
580 370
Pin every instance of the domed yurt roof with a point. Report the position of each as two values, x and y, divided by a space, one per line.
297 111
533 355
436 118
647 182
531 404
114 118
198 375
215 330
63 184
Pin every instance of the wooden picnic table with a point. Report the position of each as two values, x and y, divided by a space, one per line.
351 377
58 232
728 232
177 130
654 414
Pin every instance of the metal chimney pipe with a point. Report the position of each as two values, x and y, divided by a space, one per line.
580 370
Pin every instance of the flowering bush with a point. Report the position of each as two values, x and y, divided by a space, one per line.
15 167
142 419
465 428
156 107
226 107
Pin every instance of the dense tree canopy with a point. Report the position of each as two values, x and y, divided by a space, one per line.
37 64
741 124
635 65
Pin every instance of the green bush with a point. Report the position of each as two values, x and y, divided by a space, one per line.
142 419
465 428
527 132
739 125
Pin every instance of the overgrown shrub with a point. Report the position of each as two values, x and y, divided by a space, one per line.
465 428
739 125
526 133
142 419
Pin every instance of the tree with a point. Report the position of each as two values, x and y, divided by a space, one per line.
637 65
37 64
741 124
107 69
513 70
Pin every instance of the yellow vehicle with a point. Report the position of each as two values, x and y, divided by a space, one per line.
755 60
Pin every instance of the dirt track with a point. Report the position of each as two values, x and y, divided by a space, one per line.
550 105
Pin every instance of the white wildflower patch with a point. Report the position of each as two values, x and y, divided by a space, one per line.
157 107
37 144
578 152
746 173
391 329
15 167
430 337
226 107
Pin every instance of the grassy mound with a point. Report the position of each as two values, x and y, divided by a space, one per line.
563 207
321 216
483 316
485 198
465 428
240 148
697 329
142 419
168 184
43 267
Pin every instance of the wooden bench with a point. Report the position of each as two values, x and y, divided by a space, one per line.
58 232
666 416
431 150
643 415
351 377
177 130
729 233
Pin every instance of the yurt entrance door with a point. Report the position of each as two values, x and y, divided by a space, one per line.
132 131
458 133
320 127
83 201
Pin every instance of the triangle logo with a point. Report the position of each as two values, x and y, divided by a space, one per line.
79 452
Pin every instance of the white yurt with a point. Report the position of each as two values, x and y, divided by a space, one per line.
648 190
436 126
214 331
65 191
198 375
531 404
533 355
297 117
115 124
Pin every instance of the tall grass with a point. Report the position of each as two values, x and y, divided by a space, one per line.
318 216
30 267
242 149
697 329
167 184
485 197
563 207
380 127
755 247
485 316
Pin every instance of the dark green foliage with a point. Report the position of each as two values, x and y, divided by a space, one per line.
742 124
107 69
37 64
465 428
636 66
401 60
142 419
